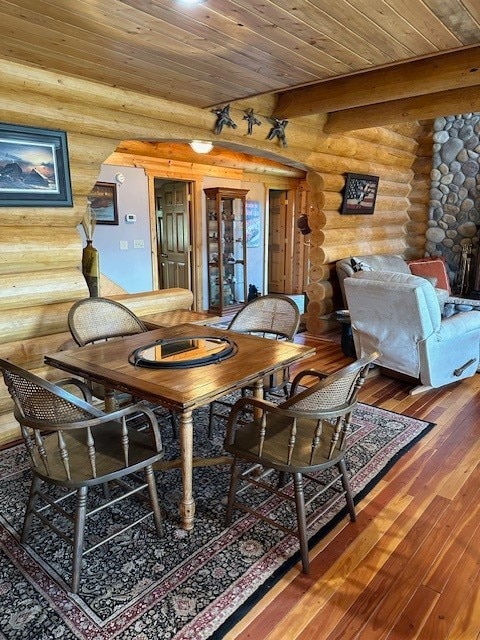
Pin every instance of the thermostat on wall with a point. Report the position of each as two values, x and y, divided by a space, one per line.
130 217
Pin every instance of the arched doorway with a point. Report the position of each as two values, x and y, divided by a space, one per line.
222 167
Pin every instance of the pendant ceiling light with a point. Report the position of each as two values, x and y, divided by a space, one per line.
199 146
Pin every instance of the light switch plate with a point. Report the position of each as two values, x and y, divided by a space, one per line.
123 245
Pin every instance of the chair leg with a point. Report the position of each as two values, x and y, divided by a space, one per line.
235 473
301 521
152 491
79 531
282 479
286 378
32 500
211 418
342 467
173 420
106 491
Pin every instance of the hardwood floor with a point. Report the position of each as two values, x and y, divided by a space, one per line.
410 566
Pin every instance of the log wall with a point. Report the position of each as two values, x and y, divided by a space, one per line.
419 196
396 226
40 248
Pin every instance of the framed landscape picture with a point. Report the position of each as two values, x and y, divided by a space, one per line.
34 168
103 202
360 193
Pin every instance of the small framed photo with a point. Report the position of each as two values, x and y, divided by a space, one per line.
360 193
34 167
103 202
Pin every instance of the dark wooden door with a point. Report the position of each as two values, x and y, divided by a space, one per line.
173 216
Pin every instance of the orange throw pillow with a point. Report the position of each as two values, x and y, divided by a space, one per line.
431 267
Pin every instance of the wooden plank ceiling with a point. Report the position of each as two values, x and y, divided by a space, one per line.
360 61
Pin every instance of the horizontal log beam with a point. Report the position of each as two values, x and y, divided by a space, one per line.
156 301
219 157
18 290
43 216
360 248
30 352
9 428
35 249
25 323
433 105
350 235
327 220
452 70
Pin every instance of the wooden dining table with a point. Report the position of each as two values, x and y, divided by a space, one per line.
184 389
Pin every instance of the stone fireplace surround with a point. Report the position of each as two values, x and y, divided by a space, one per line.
454 213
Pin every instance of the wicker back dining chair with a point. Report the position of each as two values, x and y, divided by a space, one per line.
304 436
271 316
71 444
97 319
93 320
274 316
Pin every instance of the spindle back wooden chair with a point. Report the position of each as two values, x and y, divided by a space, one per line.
304 436
274 316
97 319
93 320
100 319
74 445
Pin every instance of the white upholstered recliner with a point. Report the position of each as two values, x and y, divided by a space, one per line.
382 262
399 315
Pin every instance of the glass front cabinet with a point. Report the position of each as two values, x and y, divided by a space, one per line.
226 245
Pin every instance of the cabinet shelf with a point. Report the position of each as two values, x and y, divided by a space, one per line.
226 247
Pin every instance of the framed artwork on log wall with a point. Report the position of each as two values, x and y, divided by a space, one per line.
360 193
103 202
34 167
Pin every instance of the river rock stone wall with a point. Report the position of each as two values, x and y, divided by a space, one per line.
454 214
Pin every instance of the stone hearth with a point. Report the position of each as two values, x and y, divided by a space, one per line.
454 216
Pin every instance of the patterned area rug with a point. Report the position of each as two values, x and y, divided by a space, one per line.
187 585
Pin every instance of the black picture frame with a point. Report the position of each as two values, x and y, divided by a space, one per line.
360 194
103 202
34 167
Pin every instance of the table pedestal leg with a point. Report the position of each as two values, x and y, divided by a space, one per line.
187 504
111 404
257 412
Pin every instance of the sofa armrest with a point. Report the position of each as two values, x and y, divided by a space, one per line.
459 324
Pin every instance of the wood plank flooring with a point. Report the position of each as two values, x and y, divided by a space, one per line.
409 568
